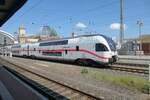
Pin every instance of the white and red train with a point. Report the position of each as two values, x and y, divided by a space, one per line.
80 49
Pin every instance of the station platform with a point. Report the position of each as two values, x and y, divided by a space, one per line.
138 57
12 88
134 59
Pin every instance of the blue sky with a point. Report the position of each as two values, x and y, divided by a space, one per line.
94 15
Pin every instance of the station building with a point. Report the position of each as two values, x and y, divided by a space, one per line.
145 41
7 9
136 46
7 38
47 33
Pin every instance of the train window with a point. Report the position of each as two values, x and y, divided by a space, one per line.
34 49
100 47
64 42
77 48
15 51
52 53
111 43
66 51
28 47
16 46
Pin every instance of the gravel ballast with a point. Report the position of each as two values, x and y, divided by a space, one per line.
72 76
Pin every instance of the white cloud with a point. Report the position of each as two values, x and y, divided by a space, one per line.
81 25
116 26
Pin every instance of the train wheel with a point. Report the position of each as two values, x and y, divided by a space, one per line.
82 62
79 62
33 57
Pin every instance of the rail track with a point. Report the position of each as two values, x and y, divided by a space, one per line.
51 88
129 68
132 64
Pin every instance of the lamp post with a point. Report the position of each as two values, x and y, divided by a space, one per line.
121 23
149 78
140 24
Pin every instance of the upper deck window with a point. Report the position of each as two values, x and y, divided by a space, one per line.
16 46
100 47
64 42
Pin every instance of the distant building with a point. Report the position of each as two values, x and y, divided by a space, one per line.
23 38
31 40
145 41
6 38
129 47
46 33
22 35
132 46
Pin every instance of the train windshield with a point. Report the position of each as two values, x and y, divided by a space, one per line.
111 43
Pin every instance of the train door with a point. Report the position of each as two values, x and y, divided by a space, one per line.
28 50
65 54
77 48
80 54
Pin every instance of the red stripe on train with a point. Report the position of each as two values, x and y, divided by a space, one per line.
62 50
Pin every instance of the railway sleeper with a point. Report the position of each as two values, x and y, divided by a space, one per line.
74 96
81 97
46 83
61 90
51 85
41 82
66 93
56 87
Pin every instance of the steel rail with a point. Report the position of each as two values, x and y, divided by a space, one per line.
132 64
66 91
130 69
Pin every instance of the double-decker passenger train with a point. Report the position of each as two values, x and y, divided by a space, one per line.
80 49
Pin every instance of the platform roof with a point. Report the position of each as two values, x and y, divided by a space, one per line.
6 38
8 8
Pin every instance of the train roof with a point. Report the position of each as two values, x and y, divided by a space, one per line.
76 37
88 35
61 39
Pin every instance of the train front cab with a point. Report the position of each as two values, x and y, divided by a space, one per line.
107 50
113 59
113 51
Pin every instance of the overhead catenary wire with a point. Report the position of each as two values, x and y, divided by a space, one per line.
92 9
87 11
38 3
